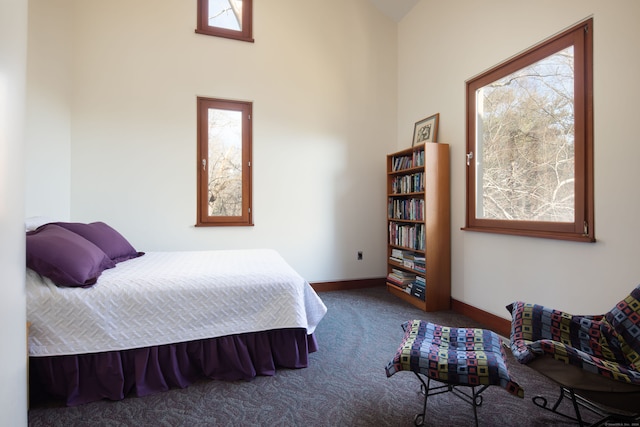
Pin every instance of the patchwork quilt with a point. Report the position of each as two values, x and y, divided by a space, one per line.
608 344
457 356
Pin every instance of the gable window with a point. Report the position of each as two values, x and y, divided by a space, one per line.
224 162
226 18
530 142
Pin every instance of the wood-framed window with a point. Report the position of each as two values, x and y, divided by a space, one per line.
530 142
226 18
224 162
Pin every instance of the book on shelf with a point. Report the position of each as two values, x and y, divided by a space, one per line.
396 255
419 265
407 235
407 254
405 184
406 209
415 262
408 259
417 288
407 161
419 282
400 278
419 294
402 275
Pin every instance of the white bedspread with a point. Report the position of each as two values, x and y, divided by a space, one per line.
168 297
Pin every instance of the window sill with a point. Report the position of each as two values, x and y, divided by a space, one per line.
225 35
529 233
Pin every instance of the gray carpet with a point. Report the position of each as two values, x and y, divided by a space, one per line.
345 384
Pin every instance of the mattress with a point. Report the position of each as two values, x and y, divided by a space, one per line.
169 297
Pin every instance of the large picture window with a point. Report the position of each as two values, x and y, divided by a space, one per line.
224 162
530 141
226 18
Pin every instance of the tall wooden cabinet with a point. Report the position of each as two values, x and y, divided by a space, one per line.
418 220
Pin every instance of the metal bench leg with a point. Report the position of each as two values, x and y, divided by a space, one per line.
475 398
418 419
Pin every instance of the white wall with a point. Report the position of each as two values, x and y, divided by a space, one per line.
443 44
13 366
322 78
48 130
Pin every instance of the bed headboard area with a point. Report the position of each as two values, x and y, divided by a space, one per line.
74 254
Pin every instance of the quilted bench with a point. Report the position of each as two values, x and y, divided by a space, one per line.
456 357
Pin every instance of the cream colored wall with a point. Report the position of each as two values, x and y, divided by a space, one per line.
442 44
322 78
48 130
13 63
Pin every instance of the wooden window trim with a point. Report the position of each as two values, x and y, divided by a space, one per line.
203 219
583 228
246 34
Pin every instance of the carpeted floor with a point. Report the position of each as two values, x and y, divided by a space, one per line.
345 384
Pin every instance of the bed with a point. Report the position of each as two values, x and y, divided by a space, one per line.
131 323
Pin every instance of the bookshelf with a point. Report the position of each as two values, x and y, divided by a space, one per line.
418 222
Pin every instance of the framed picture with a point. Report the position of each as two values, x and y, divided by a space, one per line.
426 130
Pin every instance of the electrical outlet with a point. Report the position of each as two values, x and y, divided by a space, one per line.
359 255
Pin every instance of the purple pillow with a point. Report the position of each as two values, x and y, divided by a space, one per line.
106 238
65 257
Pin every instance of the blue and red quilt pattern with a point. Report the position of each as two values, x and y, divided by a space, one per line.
608 344
457 356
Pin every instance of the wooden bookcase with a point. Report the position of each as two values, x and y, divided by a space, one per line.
419 223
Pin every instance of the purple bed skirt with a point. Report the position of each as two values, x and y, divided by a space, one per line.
113 375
